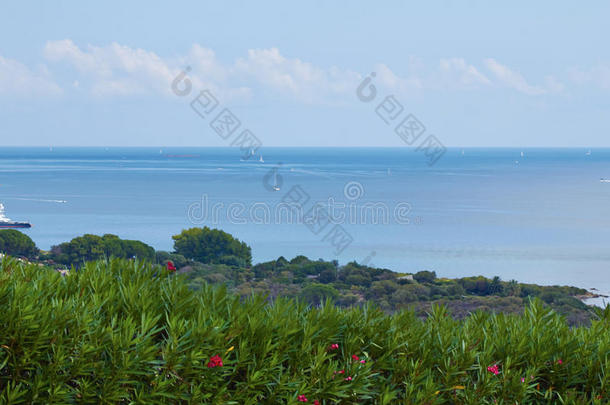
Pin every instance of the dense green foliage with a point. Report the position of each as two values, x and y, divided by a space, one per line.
125 332
213 256
15 243
207 245
92 247
354 284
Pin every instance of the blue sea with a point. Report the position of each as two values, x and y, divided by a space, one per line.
534 215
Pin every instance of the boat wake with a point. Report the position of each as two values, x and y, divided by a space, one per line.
40 200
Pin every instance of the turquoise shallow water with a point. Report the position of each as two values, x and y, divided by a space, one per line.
541 217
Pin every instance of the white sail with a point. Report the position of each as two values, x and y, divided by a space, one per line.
275 186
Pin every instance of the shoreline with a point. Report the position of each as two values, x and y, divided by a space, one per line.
594 298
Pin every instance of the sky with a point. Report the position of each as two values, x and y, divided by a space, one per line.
473 73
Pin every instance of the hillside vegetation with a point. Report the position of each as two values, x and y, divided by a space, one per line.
122 331
212 256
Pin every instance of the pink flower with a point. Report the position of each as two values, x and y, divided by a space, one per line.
494 369
559 361
316 402
522 379
348 378
215 361
334 346
302 398
362 361
355 358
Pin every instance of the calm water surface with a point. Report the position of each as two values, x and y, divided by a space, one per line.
542 217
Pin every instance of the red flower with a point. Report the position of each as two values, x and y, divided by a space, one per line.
334 346
559 361
355 358
170 266
348 378
316 402
215 361
302 398
494 369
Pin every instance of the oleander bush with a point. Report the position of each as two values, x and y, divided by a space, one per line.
119 331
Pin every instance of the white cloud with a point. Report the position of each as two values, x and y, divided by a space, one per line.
456 72
511 78
16 79
302 80
204 62
115 69
395 83
598 76
449 74
553 85
119 70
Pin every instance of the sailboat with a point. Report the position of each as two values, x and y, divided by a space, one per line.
521 153
260 159
588 152
275 185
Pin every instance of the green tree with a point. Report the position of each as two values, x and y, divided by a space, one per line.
300 259
496 287
211 246
80 249
162 257
15 243
513 288
316 293
425 276
328 276
93 247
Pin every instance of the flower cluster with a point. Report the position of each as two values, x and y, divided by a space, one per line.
215 361
303 398
355 358
494 369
